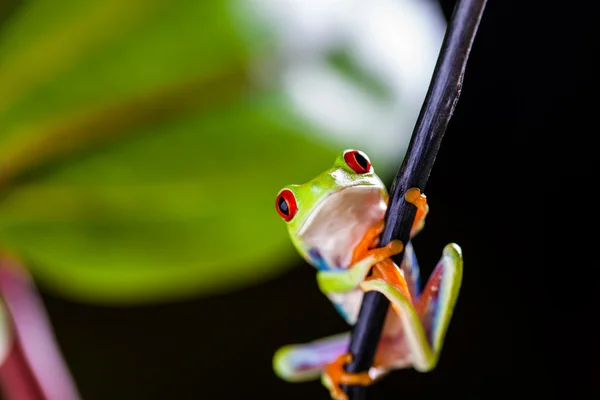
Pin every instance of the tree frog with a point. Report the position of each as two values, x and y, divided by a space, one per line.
335 221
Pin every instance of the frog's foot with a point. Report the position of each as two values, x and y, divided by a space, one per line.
419 200
369 241
391 249
335 375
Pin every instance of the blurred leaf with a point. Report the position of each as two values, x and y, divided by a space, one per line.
184 208
346 65
92 53
136 166
138 159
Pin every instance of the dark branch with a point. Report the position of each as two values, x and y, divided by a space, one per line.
436 112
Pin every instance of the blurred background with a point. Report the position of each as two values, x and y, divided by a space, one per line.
142 144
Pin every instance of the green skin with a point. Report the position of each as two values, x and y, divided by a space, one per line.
314 194
334 212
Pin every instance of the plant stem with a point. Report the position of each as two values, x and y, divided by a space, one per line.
34 368
437 109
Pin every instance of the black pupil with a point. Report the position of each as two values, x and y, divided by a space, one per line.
361 160
283 206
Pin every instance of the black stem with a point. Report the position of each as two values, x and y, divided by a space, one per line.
437 109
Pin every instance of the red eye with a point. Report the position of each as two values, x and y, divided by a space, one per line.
358 161
286 204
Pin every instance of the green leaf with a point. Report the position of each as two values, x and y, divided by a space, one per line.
184 207
138 159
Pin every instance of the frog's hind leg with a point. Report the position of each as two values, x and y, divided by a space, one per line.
439 296
303 362
425 324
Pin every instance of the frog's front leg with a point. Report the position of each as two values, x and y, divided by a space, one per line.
345 280
425 323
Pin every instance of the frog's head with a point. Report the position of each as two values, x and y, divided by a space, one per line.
330 214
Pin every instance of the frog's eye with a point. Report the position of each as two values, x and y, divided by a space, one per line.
358 161
286 204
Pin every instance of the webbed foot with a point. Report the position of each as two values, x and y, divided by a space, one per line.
335 375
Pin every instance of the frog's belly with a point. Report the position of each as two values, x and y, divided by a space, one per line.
348 304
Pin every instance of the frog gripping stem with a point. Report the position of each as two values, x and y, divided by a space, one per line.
437 109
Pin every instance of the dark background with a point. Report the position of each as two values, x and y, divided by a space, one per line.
485 194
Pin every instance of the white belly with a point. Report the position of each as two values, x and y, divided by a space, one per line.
350 303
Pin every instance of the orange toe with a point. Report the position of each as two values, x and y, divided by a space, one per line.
339 376
369 241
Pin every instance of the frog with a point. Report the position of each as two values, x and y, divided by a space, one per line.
335 222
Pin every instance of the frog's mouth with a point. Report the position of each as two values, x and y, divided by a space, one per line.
341 220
